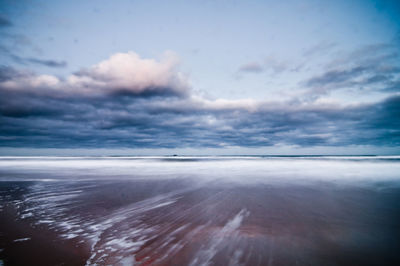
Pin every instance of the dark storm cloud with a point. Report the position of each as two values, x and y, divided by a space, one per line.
32 119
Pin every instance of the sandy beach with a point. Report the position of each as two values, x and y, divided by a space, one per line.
204 211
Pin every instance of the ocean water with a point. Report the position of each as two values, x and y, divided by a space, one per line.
249 210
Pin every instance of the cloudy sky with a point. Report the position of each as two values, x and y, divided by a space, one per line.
200 77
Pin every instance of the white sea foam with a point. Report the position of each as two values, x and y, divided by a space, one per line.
206 254
256 169
22 239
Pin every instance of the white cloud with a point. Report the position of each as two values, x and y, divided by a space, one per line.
130 73
45 80
27 81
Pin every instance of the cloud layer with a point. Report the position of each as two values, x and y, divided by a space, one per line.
131 102
128 101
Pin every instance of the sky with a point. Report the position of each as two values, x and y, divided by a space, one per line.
199 77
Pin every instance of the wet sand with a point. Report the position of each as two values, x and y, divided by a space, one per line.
189 220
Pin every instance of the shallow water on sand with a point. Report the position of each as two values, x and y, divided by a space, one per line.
200 210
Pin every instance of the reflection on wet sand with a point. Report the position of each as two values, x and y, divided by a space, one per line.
192 221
